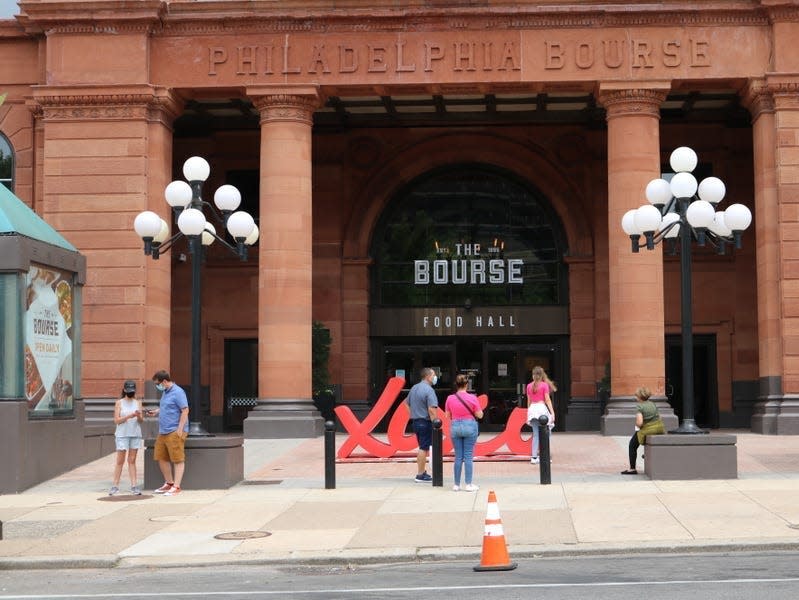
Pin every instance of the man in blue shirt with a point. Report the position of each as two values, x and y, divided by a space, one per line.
173 427
423 405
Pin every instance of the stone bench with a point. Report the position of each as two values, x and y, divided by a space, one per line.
691 456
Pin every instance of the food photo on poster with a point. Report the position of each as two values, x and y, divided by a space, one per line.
48 341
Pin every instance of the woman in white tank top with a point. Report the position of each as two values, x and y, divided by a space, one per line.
128 416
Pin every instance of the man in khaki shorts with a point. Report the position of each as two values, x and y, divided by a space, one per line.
173 427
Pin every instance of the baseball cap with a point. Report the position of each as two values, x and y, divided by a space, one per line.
130 386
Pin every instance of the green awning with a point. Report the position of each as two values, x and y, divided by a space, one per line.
17 218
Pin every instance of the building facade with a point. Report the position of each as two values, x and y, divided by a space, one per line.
438 183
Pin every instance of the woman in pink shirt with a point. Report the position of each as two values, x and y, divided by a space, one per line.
539 403
463 410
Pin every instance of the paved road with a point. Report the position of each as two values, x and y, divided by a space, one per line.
730 576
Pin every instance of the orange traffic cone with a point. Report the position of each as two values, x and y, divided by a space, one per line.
495 552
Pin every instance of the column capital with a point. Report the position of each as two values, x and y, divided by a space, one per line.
757 98
79 103
285 103
645 98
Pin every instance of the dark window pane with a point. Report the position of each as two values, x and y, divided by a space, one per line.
474 229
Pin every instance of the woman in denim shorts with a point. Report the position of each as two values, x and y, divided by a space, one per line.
128 416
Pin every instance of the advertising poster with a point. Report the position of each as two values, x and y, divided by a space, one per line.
48 341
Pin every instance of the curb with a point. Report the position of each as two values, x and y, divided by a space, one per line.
388 556
106 561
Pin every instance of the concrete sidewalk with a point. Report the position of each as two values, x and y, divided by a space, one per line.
377 512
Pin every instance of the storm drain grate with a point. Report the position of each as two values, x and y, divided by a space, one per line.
262 482
242 535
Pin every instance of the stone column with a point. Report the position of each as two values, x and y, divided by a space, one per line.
785 91
637 341
285 408
767 228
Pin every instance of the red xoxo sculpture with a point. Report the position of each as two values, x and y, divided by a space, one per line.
360 432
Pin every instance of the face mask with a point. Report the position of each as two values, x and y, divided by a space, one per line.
435 379
160 387
130 394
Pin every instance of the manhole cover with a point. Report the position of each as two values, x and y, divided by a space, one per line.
124 498
262 482
242 535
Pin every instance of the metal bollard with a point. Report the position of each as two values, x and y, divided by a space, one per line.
330 455
543 439
438 459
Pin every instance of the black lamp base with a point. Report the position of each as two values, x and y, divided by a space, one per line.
196 430
689 426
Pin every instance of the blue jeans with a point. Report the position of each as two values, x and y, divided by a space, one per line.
464 436
536 433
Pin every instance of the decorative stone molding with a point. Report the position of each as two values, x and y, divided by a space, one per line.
783 14
156 104
642 101
91 16
286 107
757 98
188 19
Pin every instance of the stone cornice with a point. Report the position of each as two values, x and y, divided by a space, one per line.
226 19
780 11
184 17
91 16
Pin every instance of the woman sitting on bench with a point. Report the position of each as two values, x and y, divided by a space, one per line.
647 422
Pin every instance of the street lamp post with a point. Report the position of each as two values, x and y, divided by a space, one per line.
681 208
188 207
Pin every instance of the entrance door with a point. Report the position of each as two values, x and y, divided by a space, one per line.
241 381
500 370
706 401
407 361
509 369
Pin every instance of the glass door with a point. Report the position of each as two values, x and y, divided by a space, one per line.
407 361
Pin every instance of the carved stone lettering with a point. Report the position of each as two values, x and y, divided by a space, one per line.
347 59
460 56
216 56
637 53
318 59
246 60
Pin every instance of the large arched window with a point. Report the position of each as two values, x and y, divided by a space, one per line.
6 163
468 235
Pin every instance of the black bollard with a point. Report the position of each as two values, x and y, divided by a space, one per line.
438 460
330 455
543 440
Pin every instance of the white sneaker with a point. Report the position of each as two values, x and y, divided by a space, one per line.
456 488
471 488
534 460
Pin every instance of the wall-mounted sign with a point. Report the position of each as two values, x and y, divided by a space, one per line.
470 267
48 341
509 321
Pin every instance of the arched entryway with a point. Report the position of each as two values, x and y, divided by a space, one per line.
468 276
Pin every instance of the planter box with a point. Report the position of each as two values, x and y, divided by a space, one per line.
689 456
215 462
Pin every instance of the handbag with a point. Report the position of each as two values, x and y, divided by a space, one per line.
469 408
